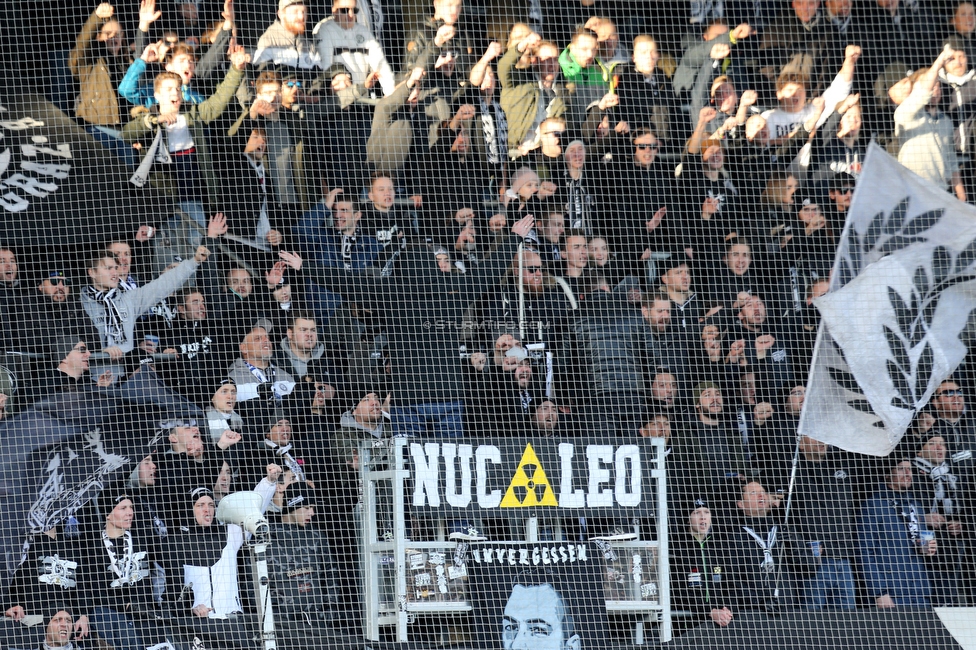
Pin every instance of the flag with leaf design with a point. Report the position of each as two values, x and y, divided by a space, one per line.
895 319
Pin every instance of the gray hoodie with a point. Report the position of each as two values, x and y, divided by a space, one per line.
288 360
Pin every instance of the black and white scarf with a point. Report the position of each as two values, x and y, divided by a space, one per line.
943 484
287 459
131 567
113 329
495 127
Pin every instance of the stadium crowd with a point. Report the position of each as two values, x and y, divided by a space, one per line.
608 220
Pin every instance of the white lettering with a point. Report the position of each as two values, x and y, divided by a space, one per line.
625 454
13 203
523 556
546 559
581 553
425 481
568 497
63 150
58 171
22 124
30 185
598 456
454 498
484 454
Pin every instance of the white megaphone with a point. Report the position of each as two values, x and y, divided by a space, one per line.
244 509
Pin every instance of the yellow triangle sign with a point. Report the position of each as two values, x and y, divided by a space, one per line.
530 485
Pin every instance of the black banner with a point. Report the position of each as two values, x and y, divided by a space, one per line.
538 596
531 477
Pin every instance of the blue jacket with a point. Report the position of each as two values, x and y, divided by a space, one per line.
891 564
323 244
130 89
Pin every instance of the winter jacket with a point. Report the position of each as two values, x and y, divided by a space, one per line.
144 128
98 102
135 303
890 563
520 97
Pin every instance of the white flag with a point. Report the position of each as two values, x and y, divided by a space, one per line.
902 290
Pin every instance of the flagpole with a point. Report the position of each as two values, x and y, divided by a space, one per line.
786 517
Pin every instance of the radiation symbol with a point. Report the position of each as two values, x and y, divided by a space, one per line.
529 486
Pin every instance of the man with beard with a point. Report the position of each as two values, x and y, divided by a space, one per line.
284 42
760 555
891 530
665 345
515 395
765 349
926 132
724 452
538 299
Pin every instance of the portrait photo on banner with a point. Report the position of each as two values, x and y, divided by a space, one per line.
539 596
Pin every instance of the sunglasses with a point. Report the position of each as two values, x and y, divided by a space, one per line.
349 10
642 147
83 349
950 393
56 281
293 84
533 269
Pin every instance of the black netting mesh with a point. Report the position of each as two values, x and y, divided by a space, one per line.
504 324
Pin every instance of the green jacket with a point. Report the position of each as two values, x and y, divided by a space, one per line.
143 129
520 97
594 75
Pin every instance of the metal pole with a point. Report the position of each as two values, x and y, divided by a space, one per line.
521 291
786 519
259 568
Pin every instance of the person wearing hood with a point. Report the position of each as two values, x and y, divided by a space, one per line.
926 133
221 416
203 562
300 345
